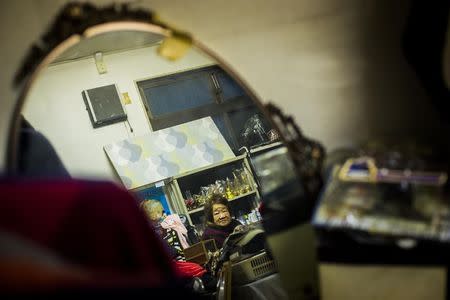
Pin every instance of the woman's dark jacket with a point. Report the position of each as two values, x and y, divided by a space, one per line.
219 233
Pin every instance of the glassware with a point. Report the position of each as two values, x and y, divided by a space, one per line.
229 189
237 185
245 180
220 187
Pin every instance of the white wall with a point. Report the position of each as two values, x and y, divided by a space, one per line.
336 66
56 108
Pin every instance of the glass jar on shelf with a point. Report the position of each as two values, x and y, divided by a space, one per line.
237 186
220 187
246 177
229 194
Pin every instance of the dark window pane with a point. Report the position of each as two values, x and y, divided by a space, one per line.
220 123
230 88
182 93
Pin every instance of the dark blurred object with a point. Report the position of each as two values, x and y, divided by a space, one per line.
245 252
337 157
266 288
240 245
191 231
284 202
247 241
90 224
424 42
28 269
289 175
403 154
308 155
95 240
24 264
37 157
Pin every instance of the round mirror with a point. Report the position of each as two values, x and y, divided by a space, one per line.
116 95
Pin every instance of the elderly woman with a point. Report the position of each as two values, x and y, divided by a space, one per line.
219 224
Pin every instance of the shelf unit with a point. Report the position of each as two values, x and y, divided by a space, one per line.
198 209
203 176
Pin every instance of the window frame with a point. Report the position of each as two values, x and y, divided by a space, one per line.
218 107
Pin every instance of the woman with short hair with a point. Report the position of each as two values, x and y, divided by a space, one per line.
219 223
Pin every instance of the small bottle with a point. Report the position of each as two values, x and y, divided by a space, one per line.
253 216
237 186
229 189
246 220
245 177
258 215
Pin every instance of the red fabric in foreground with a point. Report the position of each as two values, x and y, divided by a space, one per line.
94 225
187 269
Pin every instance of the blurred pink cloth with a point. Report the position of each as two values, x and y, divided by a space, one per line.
174 222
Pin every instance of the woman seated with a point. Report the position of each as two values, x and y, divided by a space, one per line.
219 224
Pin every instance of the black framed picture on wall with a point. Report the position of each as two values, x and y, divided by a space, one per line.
104 105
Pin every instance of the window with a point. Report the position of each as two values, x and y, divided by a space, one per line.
191 95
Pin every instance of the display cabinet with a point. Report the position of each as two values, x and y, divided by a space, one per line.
234 178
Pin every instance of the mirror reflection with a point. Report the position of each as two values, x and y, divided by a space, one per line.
183 137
